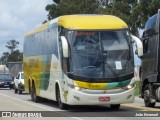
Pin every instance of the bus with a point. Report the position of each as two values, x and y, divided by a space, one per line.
81 60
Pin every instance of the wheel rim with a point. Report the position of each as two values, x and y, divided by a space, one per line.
146 94
147 99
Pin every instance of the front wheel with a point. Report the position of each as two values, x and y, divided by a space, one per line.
19 91
60 104
15 90
147 99
115 106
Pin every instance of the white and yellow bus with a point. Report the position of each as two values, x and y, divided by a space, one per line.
81 60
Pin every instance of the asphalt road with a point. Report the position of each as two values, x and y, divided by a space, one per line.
9 101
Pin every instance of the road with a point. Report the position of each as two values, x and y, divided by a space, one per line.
9 101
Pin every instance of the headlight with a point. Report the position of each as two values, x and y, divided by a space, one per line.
75 87
0 82
131 85
12 82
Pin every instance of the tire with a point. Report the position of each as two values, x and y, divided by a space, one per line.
61 105
34 97
15 90
147 98
19 91
115 106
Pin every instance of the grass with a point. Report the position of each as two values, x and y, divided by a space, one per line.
137 89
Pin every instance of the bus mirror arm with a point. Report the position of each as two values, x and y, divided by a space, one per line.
64 46
139 45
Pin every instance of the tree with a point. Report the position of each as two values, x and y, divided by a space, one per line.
68 7
134 12
120 8
12 45
13 55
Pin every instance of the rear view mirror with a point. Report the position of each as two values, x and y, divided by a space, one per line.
64 46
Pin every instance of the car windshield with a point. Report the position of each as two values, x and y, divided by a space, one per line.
22 75
100 54
5 77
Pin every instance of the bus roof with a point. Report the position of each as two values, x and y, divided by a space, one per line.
84 22
90 22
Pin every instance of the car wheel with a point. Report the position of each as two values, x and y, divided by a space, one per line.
15 90
19 91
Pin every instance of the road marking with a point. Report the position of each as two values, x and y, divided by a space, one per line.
39 106
139 107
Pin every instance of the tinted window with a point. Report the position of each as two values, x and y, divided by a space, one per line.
41 43
150 28
151 22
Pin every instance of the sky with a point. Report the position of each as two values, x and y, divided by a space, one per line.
18 17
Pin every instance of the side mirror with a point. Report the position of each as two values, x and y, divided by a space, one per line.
64 46
139 45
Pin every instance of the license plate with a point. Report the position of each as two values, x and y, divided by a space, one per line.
103 99
6 85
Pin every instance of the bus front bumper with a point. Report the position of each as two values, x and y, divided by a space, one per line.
80 98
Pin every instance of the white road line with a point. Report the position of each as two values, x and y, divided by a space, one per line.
39 106
27 102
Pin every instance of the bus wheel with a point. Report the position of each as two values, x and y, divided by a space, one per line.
34 97
61 105
147 98
115 106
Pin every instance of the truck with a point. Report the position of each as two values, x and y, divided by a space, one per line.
15 68
5 78
150 62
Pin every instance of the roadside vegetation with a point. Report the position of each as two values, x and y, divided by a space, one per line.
137 89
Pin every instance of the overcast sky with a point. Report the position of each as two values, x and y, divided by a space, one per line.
18 17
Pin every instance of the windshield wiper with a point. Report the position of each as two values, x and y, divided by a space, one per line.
108 65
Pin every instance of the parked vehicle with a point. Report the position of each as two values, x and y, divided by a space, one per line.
5 78
19 83
14 68
150 68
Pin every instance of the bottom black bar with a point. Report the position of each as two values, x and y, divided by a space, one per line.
77 114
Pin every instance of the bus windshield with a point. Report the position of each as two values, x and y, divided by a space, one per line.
100 54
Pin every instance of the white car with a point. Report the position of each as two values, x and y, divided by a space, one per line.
19 83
